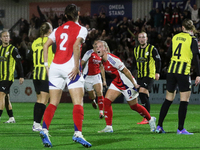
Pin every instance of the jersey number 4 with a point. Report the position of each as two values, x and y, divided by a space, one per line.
64 38
177 51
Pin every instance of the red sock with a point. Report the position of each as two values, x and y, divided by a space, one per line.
141 110
48 115
78 114
108 112
100 102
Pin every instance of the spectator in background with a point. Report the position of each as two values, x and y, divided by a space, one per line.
195 14
158 21
1 25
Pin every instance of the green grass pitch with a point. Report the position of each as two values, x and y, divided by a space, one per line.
127 134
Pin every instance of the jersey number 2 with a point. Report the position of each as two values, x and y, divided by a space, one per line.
177 51
64 38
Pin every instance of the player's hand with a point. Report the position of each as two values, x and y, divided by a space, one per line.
157 76
105 84
72 75
21 80
197 81
47 69
136 86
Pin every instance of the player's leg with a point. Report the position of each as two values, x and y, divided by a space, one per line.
78 114
92 97
185 92
112 93
8 106
99 91
170 95
42 92
2 102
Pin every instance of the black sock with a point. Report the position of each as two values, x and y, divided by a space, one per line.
182 114
39 109
145 101
1 111
10 113
163 111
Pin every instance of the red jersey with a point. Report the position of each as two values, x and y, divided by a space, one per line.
92 63
65 37
114 66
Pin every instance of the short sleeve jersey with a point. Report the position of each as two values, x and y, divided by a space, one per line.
38 58
114 66
92 63
65 37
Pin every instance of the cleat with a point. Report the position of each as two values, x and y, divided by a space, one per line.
144 121
80 139
94 104
152 124
101 116
106 129
45 139
11 120
159 129
184 131
36 127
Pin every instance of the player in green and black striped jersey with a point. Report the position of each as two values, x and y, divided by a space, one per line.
9 57
148 63
40 77
183 49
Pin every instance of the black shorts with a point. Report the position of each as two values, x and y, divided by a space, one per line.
41 85
5 86
145 82
183 82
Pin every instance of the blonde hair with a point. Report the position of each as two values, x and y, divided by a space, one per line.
188 24
44 29
105 45
3 31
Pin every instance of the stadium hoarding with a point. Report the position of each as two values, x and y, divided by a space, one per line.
26 93
180 3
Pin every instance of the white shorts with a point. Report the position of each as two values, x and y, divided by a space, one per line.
129 93
90 81
58 78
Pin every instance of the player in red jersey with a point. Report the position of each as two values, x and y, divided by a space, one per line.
91 74
123 83
65 70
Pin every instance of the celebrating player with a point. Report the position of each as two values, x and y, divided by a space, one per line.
123 83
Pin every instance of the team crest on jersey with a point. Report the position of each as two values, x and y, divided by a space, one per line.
141 59
7 53
147 53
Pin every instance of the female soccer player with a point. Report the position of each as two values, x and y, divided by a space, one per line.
183 49
91 74
40 78
123 83
65 70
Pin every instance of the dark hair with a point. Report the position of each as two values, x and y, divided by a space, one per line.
188 24
71 12
44 29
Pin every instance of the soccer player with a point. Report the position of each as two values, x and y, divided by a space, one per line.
148 63
40 78
93 81
65 70
183 49
123 83
9 56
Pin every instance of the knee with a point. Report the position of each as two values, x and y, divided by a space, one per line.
107 102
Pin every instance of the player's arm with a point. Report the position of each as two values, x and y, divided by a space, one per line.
195 51
76 53
46 46
128 74
17 58
103 75
134 66
157 59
